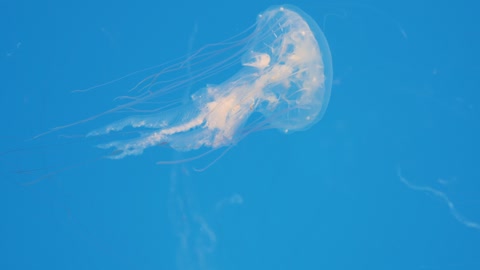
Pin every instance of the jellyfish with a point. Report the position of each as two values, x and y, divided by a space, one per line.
283 83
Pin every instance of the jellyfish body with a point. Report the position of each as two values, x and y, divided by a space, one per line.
286 78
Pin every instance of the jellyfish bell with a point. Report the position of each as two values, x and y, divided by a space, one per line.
299 84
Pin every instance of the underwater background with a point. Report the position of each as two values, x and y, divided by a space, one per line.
387 179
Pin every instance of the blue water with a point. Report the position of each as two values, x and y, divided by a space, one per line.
387 179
